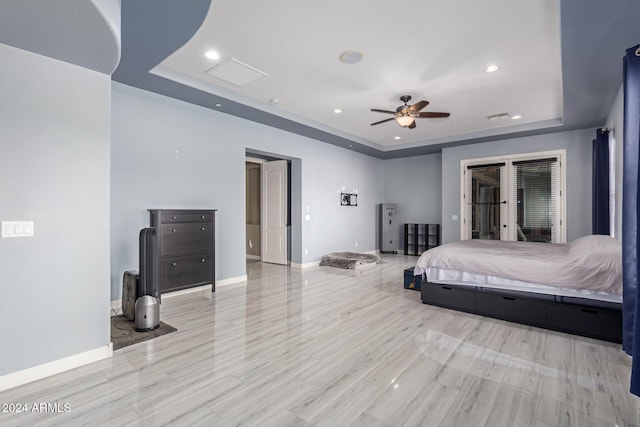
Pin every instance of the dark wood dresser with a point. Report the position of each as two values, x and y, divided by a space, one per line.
185 248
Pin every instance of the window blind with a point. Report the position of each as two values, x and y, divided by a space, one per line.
535 190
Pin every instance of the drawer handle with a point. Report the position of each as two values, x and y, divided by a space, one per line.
446 288
174 264
509 298
202 229
202 216
586 310
174 217
173 230
202 260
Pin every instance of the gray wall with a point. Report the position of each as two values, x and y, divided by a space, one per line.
415 185
578 171
54 170
170 154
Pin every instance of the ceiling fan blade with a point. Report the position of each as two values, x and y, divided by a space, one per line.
412 125
432 115
383 111
418 106
382 121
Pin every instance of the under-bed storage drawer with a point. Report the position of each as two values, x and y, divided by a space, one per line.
512 308
600 323
455 297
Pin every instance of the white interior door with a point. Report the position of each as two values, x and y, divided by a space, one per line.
274 212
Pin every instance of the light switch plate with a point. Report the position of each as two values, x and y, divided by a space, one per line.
17 228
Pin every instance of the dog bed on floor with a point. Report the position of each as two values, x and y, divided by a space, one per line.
350 260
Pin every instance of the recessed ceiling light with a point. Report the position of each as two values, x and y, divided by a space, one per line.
350 57
396 137
350 145
337 110
492 68
218 105
212 54
274 101
516 117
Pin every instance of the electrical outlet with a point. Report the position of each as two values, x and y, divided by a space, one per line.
356 244
306 251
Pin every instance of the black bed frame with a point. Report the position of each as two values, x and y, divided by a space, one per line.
580 316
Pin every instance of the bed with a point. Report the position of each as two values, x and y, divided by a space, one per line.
574 287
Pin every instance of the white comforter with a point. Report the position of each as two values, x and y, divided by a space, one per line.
590 262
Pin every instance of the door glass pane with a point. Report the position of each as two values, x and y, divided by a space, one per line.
485 205
536 201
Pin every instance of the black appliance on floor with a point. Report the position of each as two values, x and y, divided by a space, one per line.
147 307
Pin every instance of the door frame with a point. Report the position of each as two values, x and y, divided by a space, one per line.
560 154
294 253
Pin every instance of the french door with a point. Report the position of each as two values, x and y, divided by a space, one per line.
519 197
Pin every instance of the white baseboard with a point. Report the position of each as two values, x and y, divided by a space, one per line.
39 372
231 280
257 257
116 305
305 265
219 283
186 291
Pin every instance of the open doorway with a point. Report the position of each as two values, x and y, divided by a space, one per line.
268 209
252 182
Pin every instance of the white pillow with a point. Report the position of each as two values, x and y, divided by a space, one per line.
594 243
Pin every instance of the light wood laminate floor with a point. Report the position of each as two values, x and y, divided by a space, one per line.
325 346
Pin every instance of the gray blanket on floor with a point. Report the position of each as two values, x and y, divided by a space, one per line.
350 260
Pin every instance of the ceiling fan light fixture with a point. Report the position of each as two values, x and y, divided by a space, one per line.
405 121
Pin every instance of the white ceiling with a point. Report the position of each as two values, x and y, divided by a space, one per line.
431 50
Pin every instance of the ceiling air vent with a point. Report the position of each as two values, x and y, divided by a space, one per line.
498 116
236 72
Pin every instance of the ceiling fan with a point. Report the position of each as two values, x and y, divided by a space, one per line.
405 115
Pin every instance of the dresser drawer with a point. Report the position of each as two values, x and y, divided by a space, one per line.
182 271
186 238
170 217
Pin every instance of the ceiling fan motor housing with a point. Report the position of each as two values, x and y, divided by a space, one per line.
405 114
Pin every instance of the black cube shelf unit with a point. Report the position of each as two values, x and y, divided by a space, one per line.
420 237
